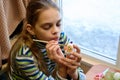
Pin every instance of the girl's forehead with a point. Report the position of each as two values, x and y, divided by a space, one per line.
50 14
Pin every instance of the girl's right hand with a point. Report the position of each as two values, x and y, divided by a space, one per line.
54 52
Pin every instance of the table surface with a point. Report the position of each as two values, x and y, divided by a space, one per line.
97 69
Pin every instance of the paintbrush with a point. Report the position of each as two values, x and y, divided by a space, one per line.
40 41
45 42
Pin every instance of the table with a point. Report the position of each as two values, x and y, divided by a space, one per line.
97 69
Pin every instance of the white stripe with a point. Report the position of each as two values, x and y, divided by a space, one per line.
25 50
24 57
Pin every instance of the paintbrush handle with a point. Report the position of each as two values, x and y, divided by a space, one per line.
45 42
40 41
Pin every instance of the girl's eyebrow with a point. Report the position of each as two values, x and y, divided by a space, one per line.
59 20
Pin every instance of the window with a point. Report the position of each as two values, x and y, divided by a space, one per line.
94 25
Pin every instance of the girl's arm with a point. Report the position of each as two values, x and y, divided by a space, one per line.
73 60
28 65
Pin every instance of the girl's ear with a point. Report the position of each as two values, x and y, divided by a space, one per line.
30 29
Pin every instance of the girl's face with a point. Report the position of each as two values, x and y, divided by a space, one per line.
48 26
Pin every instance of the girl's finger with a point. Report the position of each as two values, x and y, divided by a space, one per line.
52 50
50 43
76 48
78 56
70 62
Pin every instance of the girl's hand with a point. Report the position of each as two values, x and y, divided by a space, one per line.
53 51
72 61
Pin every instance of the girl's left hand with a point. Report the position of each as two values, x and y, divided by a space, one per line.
72 61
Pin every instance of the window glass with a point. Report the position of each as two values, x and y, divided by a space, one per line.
93 24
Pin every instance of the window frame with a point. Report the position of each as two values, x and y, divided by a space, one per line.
118 55
117 62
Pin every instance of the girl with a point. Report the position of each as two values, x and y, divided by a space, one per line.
38 53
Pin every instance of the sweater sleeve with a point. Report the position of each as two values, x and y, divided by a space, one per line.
28 66
81 74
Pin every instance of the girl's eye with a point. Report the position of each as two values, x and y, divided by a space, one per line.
47 26
58 24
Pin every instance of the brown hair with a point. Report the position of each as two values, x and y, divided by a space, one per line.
35 7
33 11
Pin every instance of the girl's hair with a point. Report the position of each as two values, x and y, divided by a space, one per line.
33 11
35 7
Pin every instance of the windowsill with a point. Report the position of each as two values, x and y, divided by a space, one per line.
90 61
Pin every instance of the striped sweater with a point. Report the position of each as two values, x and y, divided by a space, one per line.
25 66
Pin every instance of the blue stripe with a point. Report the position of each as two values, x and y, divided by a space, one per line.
24 60
28 67
34 74
27 52
41 75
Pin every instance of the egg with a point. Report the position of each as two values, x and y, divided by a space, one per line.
116 76
68 48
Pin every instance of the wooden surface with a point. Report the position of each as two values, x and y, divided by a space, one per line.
95 70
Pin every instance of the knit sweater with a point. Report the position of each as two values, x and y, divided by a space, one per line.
25 66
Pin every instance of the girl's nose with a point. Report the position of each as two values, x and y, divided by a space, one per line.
55 30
